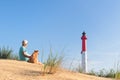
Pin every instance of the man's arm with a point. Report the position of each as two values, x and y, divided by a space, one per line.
24 53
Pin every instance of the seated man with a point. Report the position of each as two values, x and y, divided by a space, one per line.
24 56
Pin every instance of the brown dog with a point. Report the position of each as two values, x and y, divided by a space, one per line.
34 57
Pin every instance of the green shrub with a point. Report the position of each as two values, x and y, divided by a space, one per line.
110 73
117 75
92 72
104 73
7 53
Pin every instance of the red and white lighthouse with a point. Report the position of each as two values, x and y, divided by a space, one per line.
84 52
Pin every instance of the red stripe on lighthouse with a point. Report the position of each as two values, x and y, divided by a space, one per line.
84 38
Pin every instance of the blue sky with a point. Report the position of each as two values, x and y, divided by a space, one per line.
60 23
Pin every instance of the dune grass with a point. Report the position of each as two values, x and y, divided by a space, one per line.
111 73
52 63
7 53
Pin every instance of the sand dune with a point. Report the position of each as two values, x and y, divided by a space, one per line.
20 70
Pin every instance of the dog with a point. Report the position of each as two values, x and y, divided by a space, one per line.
34 58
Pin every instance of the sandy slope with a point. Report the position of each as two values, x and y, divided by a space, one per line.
19 70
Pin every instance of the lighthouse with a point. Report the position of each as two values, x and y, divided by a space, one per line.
84 52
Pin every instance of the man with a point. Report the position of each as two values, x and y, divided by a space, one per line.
24 56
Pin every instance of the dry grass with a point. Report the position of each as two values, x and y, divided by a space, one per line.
52 63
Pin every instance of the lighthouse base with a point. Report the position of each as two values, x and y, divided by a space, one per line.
84 62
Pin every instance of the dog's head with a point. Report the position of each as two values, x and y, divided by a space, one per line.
35 53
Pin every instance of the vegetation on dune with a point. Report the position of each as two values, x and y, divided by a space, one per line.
7 53
104 73
111 73
79 69
52 63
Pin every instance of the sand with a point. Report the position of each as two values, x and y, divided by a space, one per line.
20 70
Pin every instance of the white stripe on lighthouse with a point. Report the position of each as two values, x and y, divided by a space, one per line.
84 61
